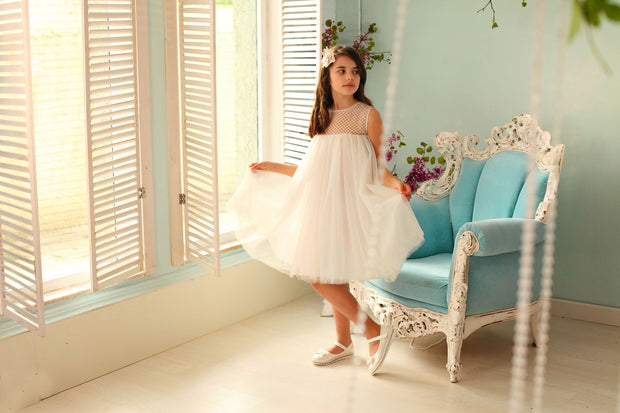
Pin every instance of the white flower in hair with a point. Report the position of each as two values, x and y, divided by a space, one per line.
327 58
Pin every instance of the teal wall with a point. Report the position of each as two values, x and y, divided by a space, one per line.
159 135
459 75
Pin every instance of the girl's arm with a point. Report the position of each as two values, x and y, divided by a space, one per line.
375 134
274 167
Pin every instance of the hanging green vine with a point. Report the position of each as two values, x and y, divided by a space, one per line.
586 14
489 4
590 12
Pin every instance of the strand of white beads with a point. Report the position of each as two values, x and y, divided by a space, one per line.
521 332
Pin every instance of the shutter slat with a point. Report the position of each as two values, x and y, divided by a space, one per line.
127 234
116 215
112 139
106 168
113 237
21 281
300 55
121 76
113 247
111 273
23 285
197 101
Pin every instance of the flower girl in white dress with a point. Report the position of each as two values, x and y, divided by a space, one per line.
340 216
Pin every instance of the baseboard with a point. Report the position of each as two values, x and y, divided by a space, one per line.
585 312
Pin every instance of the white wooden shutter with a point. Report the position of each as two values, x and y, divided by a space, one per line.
21 286
196 32
301 51
112 141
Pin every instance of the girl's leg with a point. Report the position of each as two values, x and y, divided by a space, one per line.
343 331
344 303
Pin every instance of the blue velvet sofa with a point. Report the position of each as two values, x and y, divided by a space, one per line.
466 273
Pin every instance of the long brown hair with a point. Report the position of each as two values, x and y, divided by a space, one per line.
319 121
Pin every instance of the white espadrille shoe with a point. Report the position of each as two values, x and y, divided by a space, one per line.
385 339
324 357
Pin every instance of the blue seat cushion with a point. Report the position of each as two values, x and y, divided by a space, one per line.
422 279
407 302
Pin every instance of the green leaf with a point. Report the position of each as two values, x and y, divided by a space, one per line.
432 160
423 144
523 3
420 151
400 133
591 9
328 22
425 159
441 160
575 21
429 149
612 11
409 160
495 25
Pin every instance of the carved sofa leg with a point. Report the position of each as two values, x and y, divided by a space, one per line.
454 340
467 245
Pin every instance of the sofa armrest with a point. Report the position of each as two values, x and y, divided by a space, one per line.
501 235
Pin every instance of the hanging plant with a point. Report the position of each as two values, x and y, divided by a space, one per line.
363 44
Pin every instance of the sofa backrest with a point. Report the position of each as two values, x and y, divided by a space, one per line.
488 182
434 219
463 195
494 188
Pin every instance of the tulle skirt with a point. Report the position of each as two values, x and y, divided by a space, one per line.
332 222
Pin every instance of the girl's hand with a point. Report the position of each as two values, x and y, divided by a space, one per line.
262 166
403 188
391 181
273 167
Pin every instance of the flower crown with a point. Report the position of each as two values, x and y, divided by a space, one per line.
327 58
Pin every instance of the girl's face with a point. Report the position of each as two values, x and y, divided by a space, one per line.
344 76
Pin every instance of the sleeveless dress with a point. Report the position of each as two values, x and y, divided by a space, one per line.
332 222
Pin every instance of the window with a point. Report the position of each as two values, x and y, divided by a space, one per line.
237 98
220 145
287 78
74 149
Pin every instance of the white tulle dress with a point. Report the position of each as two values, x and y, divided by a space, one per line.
332 222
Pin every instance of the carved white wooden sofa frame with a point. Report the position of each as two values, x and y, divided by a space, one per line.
407 322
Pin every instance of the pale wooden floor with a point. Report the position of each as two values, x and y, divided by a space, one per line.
262 365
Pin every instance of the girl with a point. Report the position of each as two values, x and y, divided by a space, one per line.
339 216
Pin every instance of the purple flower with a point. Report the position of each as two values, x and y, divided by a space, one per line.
420 173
